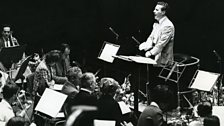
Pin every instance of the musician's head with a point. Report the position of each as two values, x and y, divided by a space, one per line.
52 57
17 121
65 49
74 75
108 86
160 10
88 81
6 32
10 91
211 121
204 109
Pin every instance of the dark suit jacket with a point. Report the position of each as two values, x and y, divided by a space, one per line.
151 116
109 109
2 44
82 98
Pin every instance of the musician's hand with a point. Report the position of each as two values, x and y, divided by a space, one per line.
145 46
148 54
32 124
51 84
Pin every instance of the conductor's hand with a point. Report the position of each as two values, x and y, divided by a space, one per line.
141 46
148 54
144 46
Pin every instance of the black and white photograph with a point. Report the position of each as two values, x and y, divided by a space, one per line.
111 63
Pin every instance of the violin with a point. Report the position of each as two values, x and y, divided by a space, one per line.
21 105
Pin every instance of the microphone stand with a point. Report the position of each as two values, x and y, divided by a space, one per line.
219 84
115 33
220 80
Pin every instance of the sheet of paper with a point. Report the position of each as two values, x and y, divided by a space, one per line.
124 108
104 123
129 124
144 60
60 115
205 80
108 51
219 111
58 87
51 102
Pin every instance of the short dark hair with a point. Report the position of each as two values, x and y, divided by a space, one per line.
17 121
64 46
211 121
9 90
108 86
53 56
204 109
165 5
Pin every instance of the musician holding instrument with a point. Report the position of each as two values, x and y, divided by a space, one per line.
7 40
6 105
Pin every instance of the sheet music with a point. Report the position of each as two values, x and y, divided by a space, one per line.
219 111
58 87
205 80
104 123
51 102
137 59
108 51
144 60
60 115
124 108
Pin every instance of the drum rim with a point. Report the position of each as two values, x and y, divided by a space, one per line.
189 64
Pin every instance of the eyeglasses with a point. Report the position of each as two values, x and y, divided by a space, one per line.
6 31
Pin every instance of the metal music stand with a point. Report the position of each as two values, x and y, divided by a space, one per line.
138 60
173 73
200 83
22 69
11 55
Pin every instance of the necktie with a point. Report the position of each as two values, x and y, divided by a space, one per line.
9 45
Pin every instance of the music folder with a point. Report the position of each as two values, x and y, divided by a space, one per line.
204 80
107 52
11 55
137 59
22 68
51 102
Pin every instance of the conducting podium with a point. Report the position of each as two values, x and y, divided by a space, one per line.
108 53
138 60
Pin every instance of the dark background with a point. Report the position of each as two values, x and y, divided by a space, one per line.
84 24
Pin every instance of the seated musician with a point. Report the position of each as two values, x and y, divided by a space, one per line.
9 97
64 64
44 76
74 75
84 97
108 108
7 40
204 109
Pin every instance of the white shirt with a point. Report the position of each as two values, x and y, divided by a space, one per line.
6 112
3 80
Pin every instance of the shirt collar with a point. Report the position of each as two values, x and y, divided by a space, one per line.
162 19
5 103
86 90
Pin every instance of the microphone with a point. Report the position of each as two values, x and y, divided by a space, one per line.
115 33
217 55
